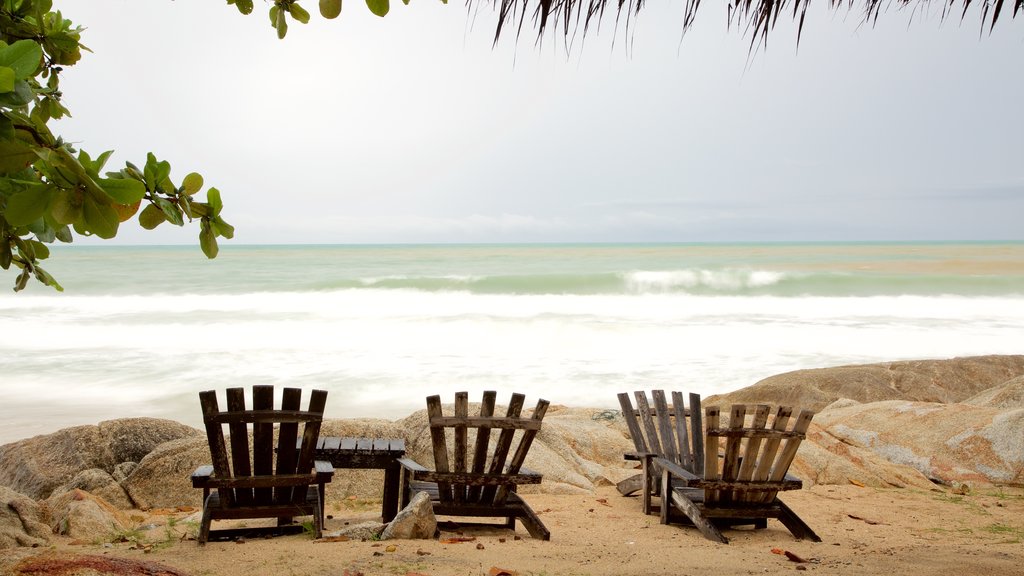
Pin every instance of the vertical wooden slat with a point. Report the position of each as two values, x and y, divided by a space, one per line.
697 432
497 466
483 438
711 447
263 442
440 446
730 465
771 447
239 444
287 456
668 443
310 435
631 423
682 434
215 437
645 416
785 459
461 443
751 453
524 446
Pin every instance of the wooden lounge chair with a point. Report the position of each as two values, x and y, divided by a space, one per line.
477 485
257 488
673 432
742 482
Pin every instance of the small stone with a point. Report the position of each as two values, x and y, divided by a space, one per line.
479 546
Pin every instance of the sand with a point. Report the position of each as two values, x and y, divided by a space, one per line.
865 531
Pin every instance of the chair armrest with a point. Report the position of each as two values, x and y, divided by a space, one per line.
672 469
411 465
324 471
201 476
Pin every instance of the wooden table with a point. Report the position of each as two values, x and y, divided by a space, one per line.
377 453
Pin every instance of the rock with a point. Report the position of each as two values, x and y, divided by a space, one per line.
1008 395
123 470
415 521
162 478
944 381
946 443
98 483
84 516
825 459
362 531
21 521
36 466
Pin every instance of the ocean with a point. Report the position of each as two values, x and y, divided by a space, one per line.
139 331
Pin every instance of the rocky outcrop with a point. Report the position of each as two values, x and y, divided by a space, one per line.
36 466
946 443
163 478
943 381
1008 395
22 521
98 483
85 517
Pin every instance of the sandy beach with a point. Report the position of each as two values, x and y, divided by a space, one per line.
865 531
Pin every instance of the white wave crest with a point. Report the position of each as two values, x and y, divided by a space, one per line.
726 280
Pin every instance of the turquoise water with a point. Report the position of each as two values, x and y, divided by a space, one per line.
140 330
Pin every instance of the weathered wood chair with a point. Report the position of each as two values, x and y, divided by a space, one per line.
478 485
257 488
744 482
660 430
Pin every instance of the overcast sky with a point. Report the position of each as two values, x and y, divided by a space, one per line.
412 128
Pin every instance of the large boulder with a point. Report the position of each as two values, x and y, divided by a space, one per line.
946 443
22 521
943 381
1008 395
99 483
36 466
84 516
163 478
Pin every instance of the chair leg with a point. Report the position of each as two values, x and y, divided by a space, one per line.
631 485
204 526
531 522
795 524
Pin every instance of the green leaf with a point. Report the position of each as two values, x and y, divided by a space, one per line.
24 57
207 239
244 6
100 219
21 96
123 190
28 206
192 183
213 199
15 156
41 251
171 210
64 234
22 280
330 9
66 207
379 7
5 254
299 13
47 280
281 24
151 217
223 228
6 79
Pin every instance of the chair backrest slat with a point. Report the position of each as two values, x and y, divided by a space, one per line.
310 438
239 444
752 450
712 445
630 416
287 455
653 444
524 446
440 445
668 439
682 434
497 465
215 437
731 461
262 443
483 439
461 440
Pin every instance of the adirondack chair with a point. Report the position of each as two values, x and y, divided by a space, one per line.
257 488
477 485
743 480
660 430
